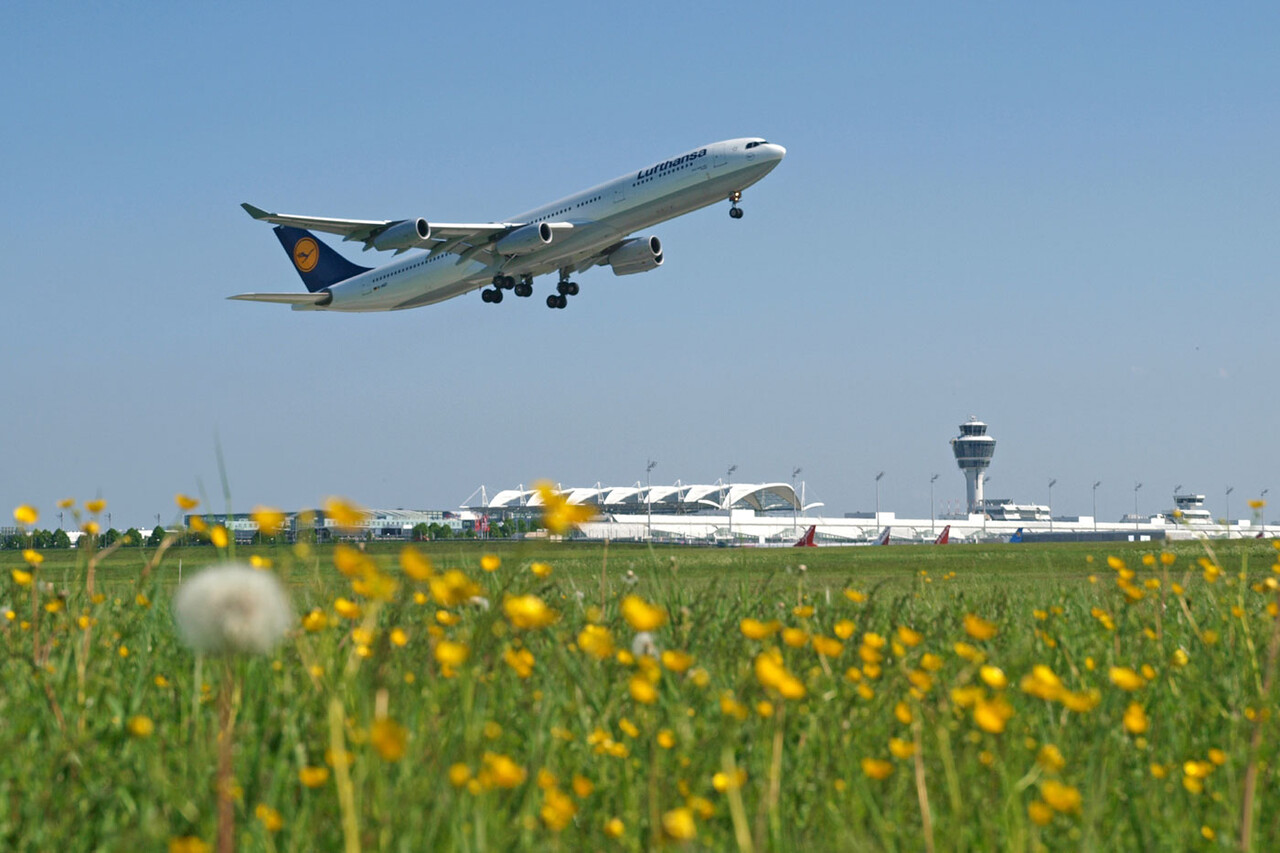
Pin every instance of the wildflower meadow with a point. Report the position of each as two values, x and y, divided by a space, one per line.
563 695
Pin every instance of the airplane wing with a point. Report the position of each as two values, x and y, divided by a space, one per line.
444 237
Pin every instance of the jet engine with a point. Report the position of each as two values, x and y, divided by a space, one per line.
410 234
639 254
525 239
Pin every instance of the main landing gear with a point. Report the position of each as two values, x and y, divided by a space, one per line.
564 289
506 282
735 211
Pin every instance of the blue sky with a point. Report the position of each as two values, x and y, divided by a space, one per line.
1061 219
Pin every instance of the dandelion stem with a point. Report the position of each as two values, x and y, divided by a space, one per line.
741 831
342 774
922 791
1255 741
226 782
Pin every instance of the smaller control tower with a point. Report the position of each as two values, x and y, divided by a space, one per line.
973 449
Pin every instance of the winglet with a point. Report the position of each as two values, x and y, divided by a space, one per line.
255 212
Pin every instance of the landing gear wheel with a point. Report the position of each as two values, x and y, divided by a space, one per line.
553 301
524 289
562 286
508 283
734 198
493 295
735 212
561 301
573 289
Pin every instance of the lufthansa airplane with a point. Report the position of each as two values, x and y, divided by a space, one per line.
591 228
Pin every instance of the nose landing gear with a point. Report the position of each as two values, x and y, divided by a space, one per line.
735 212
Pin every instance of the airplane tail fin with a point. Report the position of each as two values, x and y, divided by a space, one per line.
1016 537
884 537
317 264
944 537
806 541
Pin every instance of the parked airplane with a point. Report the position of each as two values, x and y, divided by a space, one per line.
884 537
806 541
568 236
944 537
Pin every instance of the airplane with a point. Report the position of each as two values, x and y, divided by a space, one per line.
806 541
569 236
884 537
1016 537
944 537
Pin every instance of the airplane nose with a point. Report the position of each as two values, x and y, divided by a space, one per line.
776 151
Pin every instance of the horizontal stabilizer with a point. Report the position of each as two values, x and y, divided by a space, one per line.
320 298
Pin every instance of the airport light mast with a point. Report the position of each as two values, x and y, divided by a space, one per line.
932 480
648 498
973 449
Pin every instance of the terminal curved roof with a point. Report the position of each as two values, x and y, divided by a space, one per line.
762 497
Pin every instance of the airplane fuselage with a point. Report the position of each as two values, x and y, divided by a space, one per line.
601 217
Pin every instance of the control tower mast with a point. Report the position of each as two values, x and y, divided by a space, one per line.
973 449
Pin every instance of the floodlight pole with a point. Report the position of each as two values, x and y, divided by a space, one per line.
1051 482
931 481
728 478
878 476
1262 510
648 500
1136 487
795 510
1228 519
1096 483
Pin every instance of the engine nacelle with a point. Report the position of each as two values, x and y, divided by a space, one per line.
639 254
410 234
525 239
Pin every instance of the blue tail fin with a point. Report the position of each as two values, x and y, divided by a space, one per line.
318 265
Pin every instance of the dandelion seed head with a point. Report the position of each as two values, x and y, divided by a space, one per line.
232 609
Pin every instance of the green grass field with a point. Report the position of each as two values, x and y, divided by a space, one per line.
960 697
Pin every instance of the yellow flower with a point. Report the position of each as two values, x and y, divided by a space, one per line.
930 662
450 653
827 646
754 629
558 515
188 844
1135 719
185 503
399 637
979 628
347 609
528 612
677 661
641 615
1050 758
1218 757
141 726
21 577
520 660
678 824
269 817
490 562
666 739
269 519
313 777
902 712
315 621
344 514
1063 798
500 771
557 809
855 596
642 690
844 629
796 638
991 715
54 606
26 514
389 738
1257 504
614 828
728 782
33 558
803 611
218 536
773 674
909 638
414 564
453 588
1040 812
970 653
459 774
198 525
1125 678
876 768
596 641
901 749
994 677
541 570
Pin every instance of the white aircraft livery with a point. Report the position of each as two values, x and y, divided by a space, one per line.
591 228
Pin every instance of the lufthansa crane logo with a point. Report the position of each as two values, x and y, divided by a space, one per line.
306 254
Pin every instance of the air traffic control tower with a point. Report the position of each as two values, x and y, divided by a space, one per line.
974 449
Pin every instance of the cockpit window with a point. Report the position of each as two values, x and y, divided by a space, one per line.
757 142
